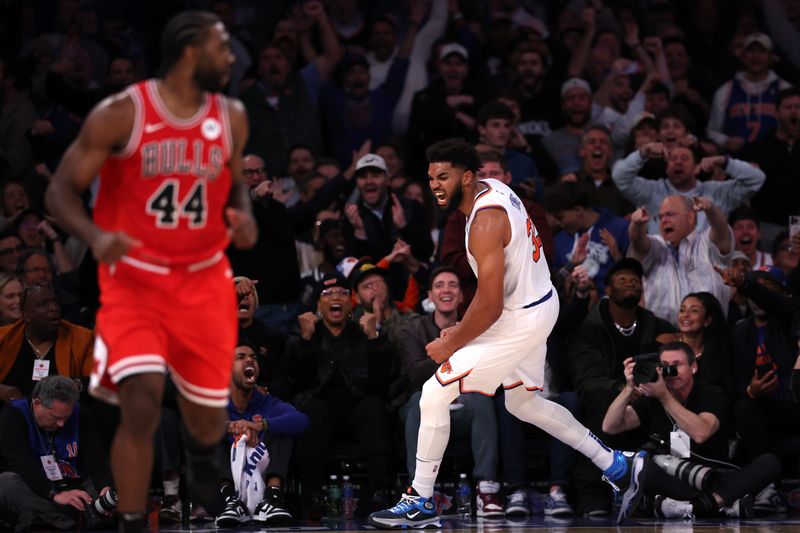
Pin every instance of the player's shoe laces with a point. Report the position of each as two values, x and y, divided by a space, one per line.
626 475
556 504
517 504
234 514
411 511
272 509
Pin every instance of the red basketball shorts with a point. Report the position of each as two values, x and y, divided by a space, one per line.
155 319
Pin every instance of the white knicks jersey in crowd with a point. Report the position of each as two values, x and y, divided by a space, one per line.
527 276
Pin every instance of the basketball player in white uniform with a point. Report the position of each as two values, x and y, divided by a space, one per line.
501 338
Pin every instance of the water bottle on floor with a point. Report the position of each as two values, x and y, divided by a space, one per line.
348 502
334 496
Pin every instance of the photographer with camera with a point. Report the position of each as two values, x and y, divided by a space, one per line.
54 464
689 421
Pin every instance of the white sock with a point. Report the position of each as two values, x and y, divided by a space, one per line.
171 486
558 422
434 432
425 477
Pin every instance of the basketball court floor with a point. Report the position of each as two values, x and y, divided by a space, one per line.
778 524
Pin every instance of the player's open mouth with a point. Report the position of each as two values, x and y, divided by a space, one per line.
249 373
244 306
746 241
597 155
441 197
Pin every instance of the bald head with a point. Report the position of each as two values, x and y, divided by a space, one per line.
676 218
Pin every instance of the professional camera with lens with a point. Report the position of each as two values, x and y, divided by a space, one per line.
98 513
646 369
107 503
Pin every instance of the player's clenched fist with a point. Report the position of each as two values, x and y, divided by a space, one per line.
439 349
108 247
308 323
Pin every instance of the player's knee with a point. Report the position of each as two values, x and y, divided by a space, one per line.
207 427
138 415
435 396
515 399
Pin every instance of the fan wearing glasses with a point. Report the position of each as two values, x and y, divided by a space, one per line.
341 370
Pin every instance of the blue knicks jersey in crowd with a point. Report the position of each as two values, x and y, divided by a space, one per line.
64 446
749 116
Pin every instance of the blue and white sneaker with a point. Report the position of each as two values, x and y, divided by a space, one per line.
626 475
556 504
412 511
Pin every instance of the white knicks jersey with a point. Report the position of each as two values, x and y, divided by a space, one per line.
527 276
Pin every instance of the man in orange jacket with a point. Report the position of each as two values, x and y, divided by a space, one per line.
41 344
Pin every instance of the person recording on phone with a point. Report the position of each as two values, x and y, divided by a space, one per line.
689 423
54 471
764 356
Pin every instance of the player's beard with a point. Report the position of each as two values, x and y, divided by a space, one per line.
455 201
208 79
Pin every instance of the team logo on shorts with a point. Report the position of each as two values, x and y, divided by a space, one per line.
211 129
446 368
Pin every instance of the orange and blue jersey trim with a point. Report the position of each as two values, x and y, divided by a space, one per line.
519 383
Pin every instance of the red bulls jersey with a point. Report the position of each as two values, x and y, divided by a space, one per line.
169 186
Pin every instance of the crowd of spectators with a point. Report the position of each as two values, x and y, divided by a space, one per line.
652 143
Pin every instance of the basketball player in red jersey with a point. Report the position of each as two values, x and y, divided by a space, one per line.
168 153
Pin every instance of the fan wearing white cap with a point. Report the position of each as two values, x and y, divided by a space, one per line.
445 108
378 218
743 109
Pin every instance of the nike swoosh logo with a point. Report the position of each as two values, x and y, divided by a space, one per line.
150 128
413 515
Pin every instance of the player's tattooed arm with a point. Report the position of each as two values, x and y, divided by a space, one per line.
244 231
106 129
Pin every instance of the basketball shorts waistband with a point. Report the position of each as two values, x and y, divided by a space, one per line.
541 300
